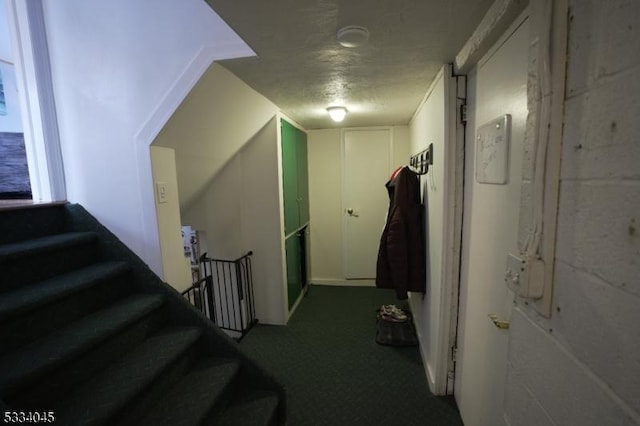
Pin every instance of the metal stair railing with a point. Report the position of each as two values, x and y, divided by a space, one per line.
225 294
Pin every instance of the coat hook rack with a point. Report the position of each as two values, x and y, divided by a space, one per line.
421 161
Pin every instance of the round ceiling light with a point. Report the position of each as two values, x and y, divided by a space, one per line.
353 36
337 113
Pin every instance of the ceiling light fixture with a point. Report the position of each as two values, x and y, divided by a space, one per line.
353 36
337 113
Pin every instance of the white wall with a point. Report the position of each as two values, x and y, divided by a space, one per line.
119 70
428 126
263 222
219 116
325 204
240 211
581 367
176 268
325 199
216 213
224 136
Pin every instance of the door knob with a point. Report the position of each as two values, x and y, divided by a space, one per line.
501 324
352 212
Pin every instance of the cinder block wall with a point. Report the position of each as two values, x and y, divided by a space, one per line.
582 366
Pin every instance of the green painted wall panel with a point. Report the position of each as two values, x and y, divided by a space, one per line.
303 178
290 177
295 187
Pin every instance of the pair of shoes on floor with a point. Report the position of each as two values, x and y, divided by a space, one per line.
392 313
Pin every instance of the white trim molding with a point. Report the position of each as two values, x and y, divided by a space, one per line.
37 102
496 21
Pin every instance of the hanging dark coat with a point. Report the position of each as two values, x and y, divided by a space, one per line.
401 256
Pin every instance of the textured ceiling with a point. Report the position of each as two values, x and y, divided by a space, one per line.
302 69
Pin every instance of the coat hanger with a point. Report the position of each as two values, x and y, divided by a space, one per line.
421 161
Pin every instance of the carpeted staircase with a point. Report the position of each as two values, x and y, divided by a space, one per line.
91 335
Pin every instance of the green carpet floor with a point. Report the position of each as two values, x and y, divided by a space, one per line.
336 374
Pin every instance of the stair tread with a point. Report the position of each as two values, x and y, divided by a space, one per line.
195 394
41 356
103 396
255 409
35 295
100 341
44 244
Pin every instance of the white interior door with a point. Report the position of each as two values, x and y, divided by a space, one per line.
497 86
367 162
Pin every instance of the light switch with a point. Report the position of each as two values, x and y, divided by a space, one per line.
161 192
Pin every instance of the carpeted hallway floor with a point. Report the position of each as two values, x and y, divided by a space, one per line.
334 371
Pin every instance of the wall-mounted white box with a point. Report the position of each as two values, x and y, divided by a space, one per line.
525 276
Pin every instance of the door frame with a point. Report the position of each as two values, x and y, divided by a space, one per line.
455 104
549 24
343 205
37 103
498 19
440 369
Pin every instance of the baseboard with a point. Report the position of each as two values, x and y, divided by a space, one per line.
416 311
344 283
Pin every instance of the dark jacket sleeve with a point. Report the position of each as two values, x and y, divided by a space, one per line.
397 253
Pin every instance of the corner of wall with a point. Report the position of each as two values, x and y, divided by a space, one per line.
151 252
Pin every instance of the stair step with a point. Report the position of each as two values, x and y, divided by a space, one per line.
34 310
34 296
38 259
104 396
46 391
28 363
43 245
26 222
194 396
257 408
101 342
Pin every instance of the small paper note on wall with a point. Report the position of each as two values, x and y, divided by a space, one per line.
492 151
